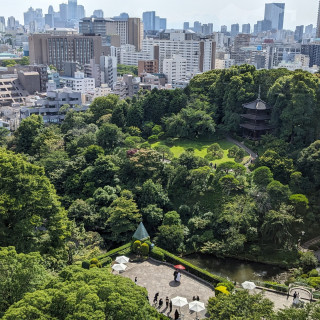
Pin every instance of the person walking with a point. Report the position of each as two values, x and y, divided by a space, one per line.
136 280
176 315
170 305
155 299
167 302
178 278
160 303
175 275
198 299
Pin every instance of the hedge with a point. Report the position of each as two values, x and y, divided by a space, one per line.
106 259
275 286
201 273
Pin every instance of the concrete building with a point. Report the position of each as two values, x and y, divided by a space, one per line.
235 29
278 52
93 70
49 106
11 91
98 13
148 66
79 83
298 34
30 81
55 50
175 69
108 67
186 25
225 63
246 28
127 86
312 50
149 18
135 32
274 12
11 24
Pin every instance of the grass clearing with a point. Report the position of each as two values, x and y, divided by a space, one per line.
200 148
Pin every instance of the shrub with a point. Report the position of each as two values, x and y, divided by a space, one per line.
240 155
85 264
169 142
275 286
136 246
93 266
232 151
145 249
105 261
308 261
153 138
313 273
229 285
94 261
157 254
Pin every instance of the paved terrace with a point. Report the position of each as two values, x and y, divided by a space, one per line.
158 277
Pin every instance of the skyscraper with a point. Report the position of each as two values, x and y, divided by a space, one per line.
318 23
186 25
72 9
163 23
224 29
298 34
149 18
246 28
98 13
11 23
134 33
234 29
274 12
63 12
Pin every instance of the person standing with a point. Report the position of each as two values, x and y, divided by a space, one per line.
135 280
160 303
170 305
155 299
176 315
178 278
175 275
167 302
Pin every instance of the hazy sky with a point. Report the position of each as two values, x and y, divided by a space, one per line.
218 12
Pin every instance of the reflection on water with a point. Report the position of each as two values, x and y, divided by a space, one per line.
235 270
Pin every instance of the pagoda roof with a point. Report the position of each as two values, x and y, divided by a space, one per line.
258 104
141 233
255 127
256 116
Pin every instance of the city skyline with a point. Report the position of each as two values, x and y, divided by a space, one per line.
227 13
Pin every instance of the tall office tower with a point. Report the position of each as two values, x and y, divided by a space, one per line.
309 29
49 20
274 12
80 12
224 29
134 33
186 26
63 12
50 10
157 23
29 16
49 49
2 24
298 34
122 16
98 13
72 9
197 27
149 18
163 23
11 23
318 23
234 29
246 28
39 18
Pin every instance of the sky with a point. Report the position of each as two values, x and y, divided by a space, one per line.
218 12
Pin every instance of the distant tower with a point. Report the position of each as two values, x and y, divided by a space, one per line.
318 23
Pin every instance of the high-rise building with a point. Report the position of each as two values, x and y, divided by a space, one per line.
29 16
49 20
2 24
246 28
72 9
309 29
63 12
49 49
274 12
235 29
163 23
186 26
224 29
157 23
134 33
149 18
80 12
11 23
108 67
318 23
197 27
298 34
98 13
50 10
313 51
175 69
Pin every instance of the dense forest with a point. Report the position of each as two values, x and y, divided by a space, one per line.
71 191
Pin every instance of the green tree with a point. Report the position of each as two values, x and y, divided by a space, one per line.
153 215
172 218
25 61
103 105
240 305
229 183
31 217
300 203
109 136
170 237
123 219
19 274
278 193
152 193
262 176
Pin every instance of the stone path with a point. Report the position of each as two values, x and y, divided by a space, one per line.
157 277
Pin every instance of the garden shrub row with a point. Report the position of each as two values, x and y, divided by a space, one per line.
164 255
275 286
106 259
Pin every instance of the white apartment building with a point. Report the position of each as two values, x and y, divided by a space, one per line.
225 63
129 56
79 83
108 67
175 69
200 55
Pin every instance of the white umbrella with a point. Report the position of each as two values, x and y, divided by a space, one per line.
196 306
119 267
248 285
122 259
179 302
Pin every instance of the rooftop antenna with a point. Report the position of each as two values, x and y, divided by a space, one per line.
259 94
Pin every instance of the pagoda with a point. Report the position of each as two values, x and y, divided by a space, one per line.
256 119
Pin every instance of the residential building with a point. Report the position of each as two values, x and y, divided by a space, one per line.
79 83
274 12
148 66
312 50
11 91
93 70
175 69
225 63
127 86
135 32
108 67
55 50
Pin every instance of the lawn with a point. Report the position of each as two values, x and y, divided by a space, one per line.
200 148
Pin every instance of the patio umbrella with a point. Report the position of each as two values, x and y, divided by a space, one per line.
179 302
122 259
196 306
248 285
179 266
119 267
